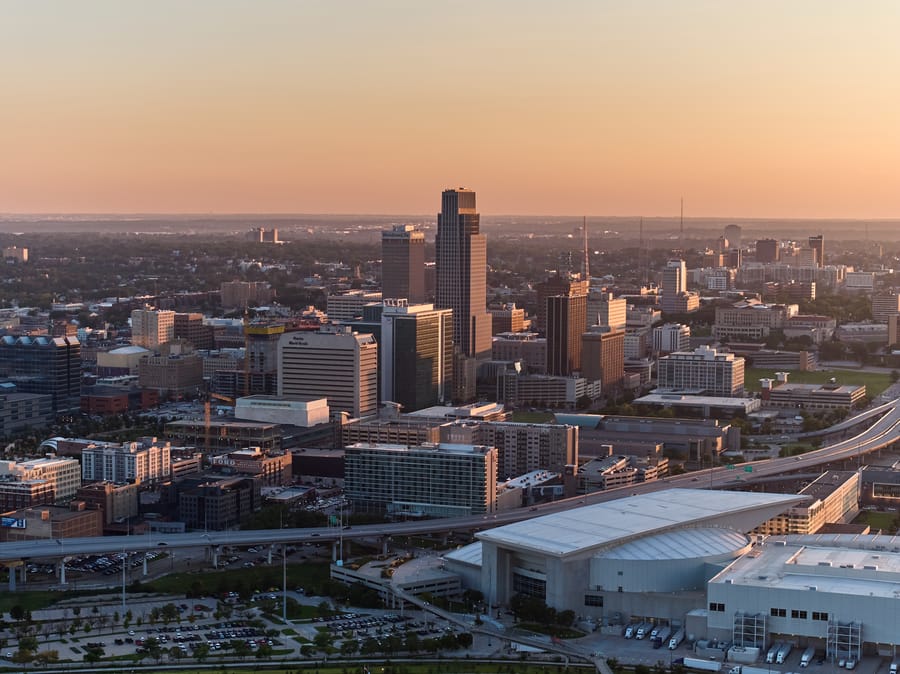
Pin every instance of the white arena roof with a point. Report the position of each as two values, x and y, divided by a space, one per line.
590 528
680 544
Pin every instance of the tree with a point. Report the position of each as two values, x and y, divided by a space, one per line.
349 647
264 652
201 652
465 639
241 648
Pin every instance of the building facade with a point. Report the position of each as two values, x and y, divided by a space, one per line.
461 284
142 461
44 365
335 363
403 264
703 370
566 317
151 328
416 354
443 480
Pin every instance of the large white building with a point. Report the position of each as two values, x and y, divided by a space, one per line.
433 480
605 309
645 556
145 460
63 475
335 363
703 371
671 337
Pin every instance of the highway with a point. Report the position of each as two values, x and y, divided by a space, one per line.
881 434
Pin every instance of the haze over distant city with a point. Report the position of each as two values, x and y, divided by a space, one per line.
746 110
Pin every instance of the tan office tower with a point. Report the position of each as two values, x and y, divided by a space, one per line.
403 264
565 324
334 363
603 357
151 328
557 285
461 284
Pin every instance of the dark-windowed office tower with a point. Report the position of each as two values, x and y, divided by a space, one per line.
49 365
461 260
565 325
416 354
817 243
403 264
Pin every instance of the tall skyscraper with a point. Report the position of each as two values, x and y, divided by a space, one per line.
403 264
565 325
416 354
674 284
557 284
151 328
334 363
461 284
734 235
817 243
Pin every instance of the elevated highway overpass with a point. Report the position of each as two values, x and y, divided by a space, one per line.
883 432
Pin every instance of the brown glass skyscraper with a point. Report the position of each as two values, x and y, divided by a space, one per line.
566 316
461 261
403 264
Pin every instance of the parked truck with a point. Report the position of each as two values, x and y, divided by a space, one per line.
783 653
630 630
894 666
676 639
773 651
643 631
662 636
744 669
703 665
807 656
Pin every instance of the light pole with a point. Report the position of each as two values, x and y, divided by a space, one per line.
283 571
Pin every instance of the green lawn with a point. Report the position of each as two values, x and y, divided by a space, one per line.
445 666
875 382
38 599
877 520
249 580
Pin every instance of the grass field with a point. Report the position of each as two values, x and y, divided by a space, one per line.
877 520
257 578
442 667
875 382
32 601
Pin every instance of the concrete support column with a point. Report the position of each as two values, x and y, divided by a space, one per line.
62 572
215 557
145 566
24 573
269 555
334 551
384 545
12 579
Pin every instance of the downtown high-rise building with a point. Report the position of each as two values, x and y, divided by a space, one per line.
817 243
565 325
461 261
416 346
403 264
334 363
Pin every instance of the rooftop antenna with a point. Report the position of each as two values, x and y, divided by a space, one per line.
586 265
681 221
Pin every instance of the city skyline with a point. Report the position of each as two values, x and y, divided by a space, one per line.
763 110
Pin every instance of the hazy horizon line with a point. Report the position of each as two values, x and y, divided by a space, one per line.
275 214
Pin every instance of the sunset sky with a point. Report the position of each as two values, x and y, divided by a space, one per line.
746 109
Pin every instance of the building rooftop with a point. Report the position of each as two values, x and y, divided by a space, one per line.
839 563
590 528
